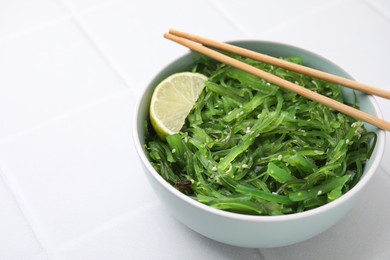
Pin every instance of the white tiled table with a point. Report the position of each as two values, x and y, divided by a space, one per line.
71 186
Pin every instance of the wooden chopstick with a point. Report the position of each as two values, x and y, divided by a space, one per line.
360 115
284 64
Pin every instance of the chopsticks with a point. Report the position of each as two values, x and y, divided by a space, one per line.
284 64
198 44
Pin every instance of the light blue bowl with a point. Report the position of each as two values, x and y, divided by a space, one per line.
246 230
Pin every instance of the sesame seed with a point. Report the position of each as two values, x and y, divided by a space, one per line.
230 168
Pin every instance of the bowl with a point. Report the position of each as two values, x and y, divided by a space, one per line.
247 230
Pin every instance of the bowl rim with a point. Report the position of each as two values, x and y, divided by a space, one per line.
260 218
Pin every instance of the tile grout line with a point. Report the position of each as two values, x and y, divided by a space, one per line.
222 11
13 187
260 254
386 172
77 17
105 226
378 9
68 113
25 212
100 6
9 184
35 28
307 14
266 32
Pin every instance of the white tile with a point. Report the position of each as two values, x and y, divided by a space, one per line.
152 234
17 240
362 234
73 168
350 33
261 16
76 173
41 256
384 3
88 5
382 6
385 163
21 15
131 33
384 104
47 73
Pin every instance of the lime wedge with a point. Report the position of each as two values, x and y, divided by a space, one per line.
172 101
